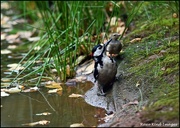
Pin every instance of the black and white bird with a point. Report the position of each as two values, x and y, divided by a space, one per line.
114 46
105 68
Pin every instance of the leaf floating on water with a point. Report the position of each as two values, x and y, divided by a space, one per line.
77 125
43 114
32 89
43 122
5 51
13 90
54 85
54 90
75 95
3 94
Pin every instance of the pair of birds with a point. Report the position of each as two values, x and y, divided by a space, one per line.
105 67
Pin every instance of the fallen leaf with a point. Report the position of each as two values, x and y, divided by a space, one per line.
135 40
79 59
54 85
3 36
5 84
32 39
5 80
5 51
54 90
137 84
163 68
43 114
25 34
12 37
4 5
13 90
13 65
77 125
32 89
131 103
31 124
75 95
43 122
81 78
3 94
12 47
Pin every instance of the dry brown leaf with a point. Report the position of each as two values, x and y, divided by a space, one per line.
42 122
75 95
77 125
5 51
135 40
54 85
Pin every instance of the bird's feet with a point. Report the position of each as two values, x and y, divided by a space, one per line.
101 92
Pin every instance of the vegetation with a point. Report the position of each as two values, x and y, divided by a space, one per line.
69 29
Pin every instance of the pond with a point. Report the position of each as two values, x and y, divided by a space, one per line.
60 110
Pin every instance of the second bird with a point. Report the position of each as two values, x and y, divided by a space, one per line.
115 45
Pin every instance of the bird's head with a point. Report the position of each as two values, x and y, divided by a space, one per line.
98 50
115 36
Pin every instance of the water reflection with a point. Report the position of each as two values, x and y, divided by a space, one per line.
18 109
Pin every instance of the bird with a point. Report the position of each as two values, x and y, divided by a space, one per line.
114 46
105 68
